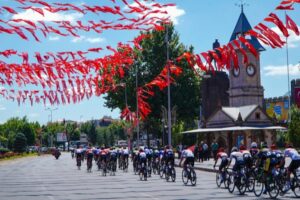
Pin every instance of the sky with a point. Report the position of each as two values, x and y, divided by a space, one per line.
198 22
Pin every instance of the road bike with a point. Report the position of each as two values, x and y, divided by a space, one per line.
189 174
170 172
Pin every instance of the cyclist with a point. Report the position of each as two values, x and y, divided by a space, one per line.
189 157
142 158
78 153
148 155
224 159
246 156
238 157
113 158
89 156
295 163
254 150
169 155
125 155
103 156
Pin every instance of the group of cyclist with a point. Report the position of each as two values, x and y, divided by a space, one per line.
105 158
269 161
147 160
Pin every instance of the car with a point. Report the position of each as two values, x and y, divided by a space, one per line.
44 149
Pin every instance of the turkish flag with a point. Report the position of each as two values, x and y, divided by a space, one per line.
297 97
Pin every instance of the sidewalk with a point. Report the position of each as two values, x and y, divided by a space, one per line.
207 166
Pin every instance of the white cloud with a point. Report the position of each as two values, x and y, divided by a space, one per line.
88 39
293 39
2 107
34 16
95 40
173 12
51 38
34 115
78 39
281 70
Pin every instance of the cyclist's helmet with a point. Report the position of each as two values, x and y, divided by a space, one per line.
221 149
234 149
242 147
253 145
264 145
273 146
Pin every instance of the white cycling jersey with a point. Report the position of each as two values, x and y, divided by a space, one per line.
292 153
187 154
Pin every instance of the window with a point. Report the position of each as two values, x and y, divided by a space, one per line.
257 115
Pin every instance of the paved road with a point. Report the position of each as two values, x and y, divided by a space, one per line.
44 178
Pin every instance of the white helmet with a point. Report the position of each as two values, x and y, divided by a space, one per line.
253 145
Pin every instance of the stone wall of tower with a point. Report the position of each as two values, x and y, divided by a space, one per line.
246 89
214 92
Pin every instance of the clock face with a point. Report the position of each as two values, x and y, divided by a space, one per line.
250 70
236 72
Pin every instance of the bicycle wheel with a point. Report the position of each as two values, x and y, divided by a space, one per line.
296 186
242 184
258 187
173 174
141 175
250 183
167 174
184 176
272 188
193 177
218 179
231 184
162 172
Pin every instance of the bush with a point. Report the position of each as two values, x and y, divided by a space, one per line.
3 150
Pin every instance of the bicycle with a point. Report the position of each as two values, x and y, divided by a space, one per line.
259 182
89 164
237 179
222 177
170 172
104 168
189 174
143 172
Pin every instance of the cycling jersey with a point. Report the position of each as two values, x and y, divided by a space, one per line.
292 153
239 160
187 154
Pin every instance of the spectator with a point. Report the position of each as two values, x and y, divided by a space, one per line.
200 152
214 148
196 152
205 151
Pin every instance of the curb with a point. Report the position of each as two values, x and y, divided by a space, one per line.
201 169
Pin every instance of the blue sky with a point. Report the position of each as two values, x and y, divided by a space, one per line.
199 23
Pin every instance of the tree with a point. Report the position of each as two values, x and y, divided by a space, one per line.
20 143
185 93
90 129
294 127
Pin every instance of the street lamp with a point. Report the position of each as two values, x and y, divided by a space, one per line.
137 108
51 110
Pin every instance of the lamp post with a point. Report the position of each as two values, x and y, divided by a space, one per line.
169 90
137 108
51 110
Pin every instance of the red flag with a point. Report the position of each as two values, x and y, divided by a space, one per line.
290 24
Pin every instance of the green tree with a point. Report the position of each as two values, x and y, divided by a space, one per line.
90 129
294 127
20 143
185 92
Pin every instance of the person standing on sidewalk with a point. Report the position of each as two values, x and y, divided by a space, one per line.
214 148
205 151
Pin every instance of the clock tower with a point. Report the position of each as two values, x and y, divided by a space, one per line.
245 81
